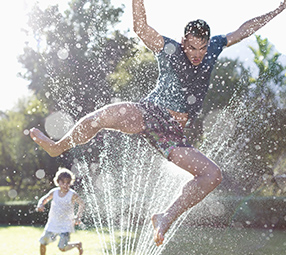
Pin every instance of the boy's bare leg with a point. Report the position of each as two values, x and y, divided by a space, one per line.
80 249
207 177
124 117
70 246
43 249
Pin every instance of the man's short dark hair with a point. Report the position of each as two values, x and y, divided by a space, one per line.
198 28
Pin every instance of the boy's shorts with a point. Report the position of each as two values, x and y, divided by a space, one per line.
49 237
161 130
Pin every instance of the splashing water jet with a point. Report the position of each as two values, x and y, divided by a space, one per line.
130 182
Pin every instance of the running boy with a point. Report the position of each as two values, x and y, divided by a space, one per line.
61 219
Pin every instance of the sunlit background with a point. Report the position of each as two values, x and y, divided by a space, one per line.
234 137
167 17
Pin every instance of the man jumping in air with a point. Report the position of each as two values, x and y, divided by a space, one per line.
184 75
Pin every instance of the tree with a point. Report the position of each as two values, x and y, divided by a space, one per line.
267 88
259 120
271 74
75 52
135 76
228 78
19 161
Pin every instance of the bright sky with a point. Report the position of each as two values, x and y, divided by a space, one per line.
167 17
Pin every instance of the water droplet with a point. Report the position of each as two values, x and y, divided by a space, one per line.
63 53
122 110
57 124
94 123
191 99
216 208
257 147
94 167
115 100
170 48
26 132
223 121
40 174
86 6
12 193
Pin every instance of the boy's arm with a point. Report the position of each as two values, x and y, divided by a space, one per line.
251 26
151 38
43 200
76 198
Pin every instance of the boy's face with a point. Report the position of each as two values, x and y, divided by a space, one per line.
194 48
64 184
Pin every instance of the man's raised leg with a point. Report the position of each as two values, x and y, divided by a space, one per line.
207 177
124 117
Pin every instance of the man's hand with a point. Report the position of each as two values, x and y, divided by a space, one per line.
251 26
149 36
283 4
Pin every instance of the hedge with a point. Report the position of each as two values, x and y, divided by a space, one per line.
241 212
256 212
22 213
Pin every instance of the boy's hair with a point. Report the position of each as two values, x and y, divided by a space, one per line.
64 173
198 28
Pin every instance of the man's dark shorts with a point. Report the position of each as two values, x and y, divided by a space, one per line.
161 130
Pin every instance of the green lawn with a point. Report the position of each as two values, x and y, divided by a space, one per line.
23 240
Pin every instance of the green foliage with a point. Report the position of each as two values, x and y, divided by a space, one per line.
79 63
74 53
228 78
135 75
267 88
18 158
264 122
271 80
246 121
67 68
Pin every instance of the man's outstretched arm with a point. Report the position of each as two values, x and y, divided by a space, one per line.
151 38
251 26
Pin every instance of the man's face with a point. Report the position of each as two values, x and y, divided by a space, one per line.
194 48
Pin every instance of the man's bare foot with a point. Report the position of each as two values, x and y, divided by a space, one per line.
161 225
46 143
80 249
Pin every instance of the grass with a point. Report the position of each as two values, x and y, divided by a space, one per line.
23 240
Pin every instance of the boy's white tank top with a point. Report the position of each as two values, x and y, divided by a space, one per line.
61 214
